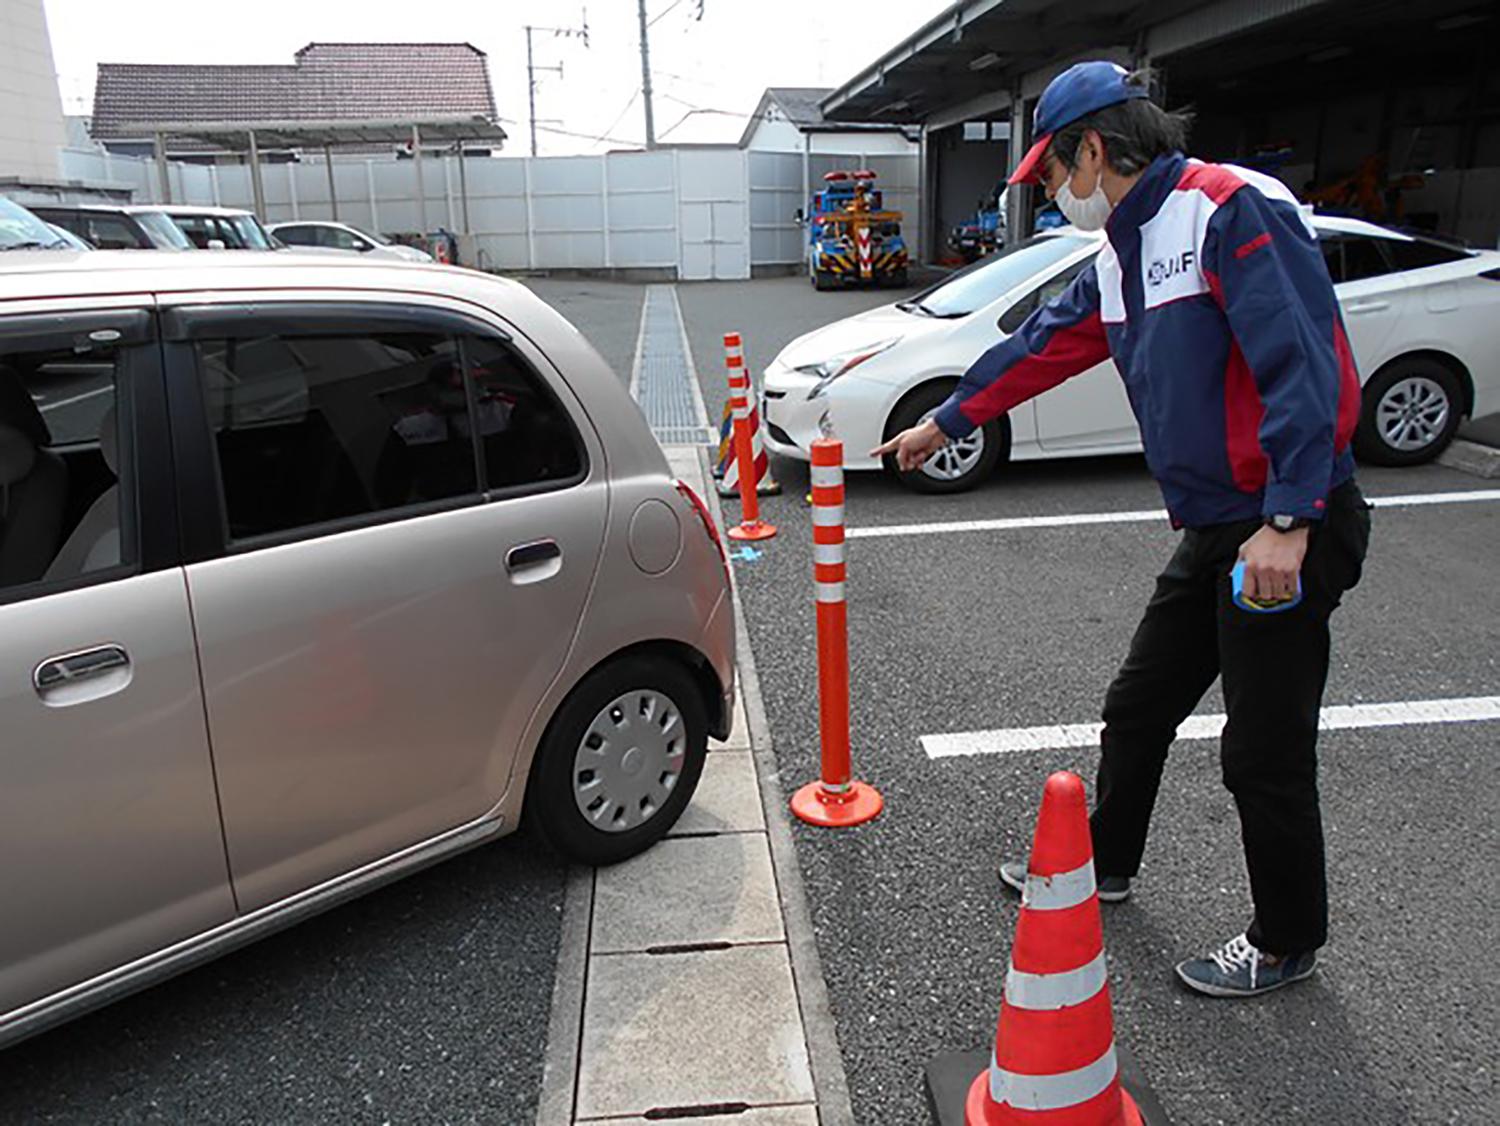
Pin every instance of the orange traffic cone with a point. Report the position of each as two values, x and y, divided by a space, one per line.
1054 1061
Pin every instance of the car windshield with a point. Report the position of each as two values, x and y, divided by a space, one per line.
163 232
976 286
252 235
21 230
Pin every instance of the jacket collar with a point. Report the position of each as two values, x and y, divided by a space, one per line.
1144 200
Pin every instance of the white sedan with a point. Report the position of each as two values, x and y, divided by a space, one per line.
1423 318
320 234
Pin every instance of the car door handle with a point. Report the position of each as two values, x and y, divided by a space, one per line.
532 562
1369 306
57 672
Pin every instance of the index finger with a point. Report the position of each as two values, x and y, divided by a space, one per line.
887 448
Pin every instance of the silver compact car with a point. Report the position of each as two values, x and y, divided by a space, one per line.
312 573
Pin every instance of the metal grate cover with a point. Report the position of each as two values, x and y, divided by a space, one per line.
664 375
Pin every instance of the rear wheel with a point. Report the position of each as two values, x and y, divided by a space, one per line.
822 281
620 761
959 465
1409 413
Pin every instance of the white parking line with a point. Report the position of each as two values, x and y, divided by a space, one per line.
1013 523
1341 717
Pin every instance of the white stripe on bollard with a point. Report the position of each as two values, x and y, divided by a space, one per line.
828 553
1056 991
828 515
827 476
830 592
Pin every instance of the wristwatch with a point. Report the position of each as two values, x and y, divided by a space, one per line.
1285 523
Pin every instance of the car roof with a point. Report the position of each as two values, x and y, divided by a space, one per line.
103 208
195 209
64 274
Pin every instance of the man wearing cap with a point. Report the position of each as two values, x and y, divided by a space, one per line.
1211 296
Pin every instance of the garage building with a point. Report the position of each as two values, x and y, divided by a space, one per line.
1384 109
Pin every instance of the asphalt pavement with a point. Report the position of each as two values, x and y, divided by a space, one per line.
426 1001
984 630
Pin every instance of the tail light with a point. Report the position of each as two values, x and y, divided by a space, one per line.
708 524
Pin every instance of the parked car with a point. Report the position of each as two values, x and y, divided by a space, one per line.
313 572
341 236
222 228
117 227
1423 318
22 230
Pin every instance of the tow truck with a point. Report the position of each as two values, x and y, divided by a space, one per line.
851 238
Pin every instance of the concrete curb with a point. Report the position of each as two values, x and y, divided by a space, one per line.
565 1028
829 1080
1471 457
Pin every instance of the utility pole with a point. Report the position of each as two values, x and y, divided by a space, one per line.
532 68
646 76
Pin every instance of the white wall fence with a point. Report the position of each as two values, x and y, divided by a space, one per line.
701 213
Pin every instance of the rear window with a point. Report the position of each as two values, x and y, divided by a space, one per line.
976 286
162 230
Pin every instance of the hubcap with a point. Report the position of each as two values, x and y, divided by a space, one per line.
957 457
1411 415
629 761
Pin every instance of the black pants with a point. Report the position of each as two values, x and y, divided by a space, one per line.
1274 668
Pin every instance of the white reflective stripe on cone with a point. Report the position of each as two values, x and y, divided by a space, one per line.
1059 892
826 476
830 592
1052 1092
828 553
828 515
1046 992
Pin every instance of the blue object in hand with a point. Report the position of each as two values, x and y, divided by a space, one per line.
1255 605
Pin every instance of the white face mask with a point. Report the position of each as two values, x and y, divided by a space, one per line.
1087 214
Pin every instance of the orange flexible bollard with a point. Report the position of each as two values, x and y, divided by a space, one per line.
751 526
835 800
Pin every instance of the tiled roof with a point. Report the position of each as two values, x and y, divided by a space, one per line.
328 82
800 103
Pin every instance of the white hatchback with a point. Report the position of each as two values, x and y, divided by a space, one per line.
1423 318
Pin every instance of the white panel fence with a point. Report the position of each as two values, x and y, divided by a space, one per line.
701 213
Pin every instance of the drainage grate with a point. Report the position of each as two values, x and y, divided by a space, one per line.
665 384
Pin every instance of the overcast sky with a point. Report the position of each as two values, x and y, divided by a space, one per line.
721 62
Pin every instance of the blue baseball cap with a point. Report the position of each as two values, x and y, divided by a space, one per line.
1076 92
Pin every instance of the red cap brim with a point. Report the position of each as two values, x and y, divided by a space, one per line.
1029 170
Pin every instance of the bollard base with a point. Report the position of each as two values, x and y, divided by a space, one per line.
817 806
759 530
950 1078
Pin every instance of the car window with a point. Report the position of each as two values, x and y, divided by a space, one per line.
111 232
526 436
63 504
977 285
247 233
162 230
298 236
1420 252
197 228
1016 315
313 429
1353 257
226 232
340 239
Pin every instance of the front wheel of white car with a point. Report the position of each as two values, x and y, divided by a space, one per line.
960 464
1410 410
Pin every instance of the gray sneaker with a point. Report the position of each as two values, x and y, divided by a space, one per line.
1238 969
1112 889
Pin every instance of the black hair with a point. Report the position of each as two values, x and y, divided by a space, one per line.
1134 132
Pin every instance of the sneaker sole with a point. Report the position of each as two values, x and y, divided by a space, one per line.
1019 887
1208 990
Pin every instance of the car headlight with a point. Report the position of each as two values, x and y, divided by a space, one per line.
843 363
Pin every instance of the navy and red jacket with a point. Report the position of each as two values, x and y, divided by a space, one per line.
1212 298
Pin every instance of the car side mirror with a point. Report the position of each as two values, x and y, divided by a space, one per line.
215 244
